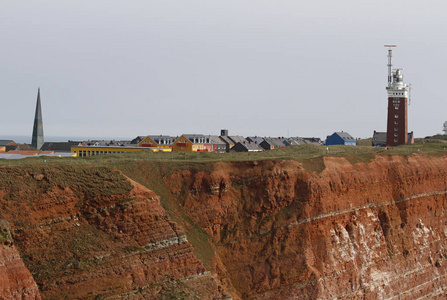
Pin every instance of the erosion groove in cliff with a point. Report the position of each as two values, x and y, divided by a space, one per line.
86 232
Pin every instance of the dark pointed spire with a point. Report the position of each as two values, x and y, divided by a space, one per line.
37 139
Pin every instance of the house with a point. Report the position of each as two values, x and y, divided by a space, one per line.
379 139
7 145
230 141
247 146
312 141
294 141
215 144
158 141
270 143
190 142
340 138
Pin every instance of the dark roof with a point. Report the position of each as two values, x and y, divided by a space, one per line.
6 142
196 138
249 146
274 141
215 139
226 140
252 146
188 136
138 139
237 138
345 136
58 146
293 141
162 139
256 139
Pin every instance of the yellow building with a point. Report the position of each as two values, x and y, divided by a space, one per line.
190 142
83 151
157 141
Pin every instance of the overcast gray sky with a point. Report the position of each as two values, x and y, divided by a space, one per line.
270 68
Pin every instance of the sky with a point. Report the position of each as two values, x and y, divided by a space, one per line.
114 69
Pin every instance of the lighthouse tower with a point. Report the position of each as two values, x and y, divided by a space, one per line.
397 124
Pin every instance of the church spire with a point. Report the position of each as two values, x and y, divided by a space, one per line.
37 139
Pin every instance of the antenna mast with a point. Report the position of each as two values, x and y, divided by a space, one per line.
390 54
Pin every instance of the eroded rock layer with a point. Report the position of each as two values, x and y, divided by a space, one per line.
87 232
16 281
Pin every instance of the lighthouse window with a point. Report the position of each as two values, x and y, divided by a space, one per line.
395 140
396 129
395 134
396 122
396 116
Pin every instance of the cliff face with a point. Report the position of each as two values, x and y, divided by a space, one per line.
16 281
374 230
90 232
264 230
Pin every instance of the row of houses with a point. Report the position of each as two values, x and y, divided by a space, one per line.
193 143
221 144
185 143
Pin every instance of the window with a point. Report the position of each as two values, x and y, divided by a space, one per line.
396 122
395 134
396 116
395 140
396 129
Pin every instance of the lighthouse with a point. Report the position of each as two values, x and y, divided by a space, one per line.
37 137
397 123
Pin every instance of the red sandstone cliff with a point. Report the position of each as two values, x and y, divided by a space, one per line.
373 230
90 232
271 229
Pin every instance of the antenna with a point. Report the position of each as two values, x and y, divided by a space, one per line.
390 54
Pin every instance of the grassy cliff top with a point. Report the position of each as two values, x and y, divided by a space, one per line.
300 153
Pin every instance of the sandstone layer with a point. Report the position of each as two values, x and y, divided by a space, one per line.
16 281
88 233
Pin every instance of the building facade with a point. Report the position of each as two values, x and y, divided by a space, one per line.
158 141
190 142
341 138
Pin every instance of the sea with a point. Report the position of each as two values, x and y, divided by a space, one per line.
22 139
